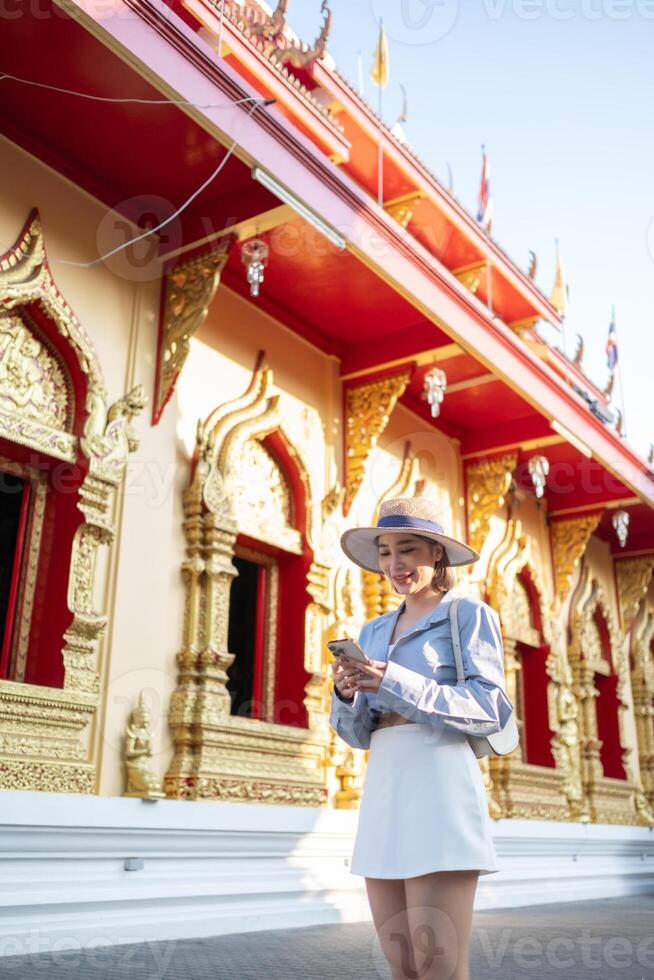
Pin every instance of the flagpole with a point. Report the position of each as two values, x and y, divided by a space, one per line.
489 284
220 28
380 161
624 417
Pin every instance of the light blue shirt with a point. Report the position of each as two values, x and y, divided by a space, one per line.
420 678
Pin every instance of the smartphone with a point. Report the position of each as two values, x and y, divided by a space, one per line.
348 648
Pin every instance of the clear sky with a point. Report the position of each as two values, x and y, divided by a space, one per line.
562 94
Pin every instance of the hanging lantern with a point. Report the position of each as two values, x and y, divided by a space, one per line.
620 521
539 467
434 390
254 255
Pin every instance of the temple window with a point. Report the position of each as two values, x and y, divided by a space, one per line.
532 678
607 703
252 632
14 503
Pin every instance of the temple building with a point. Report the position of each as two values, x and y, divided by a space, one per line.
217 352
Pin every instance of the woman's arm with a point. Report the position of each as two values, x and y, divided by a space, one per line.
478 707
352 719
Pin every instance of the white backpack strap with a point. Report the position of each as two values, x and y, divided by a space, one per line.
456 642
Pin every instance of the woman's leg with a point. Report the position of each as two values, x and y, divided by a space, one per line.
439 913
387 904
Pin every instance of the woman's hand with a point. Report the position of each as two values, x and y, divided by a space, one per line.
368 676
345 674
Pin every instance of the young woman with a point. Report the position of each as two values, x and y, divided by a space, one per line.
424 832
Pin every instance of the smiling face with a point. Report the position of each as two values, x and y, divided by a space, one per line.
408 561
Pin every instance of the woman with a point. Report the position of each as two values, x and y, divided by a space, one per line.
424 832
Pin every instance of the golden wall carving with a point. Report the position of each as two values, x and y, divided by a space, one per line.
633 576
609 800
569 540
40 727
488 483
188 290
368 407
32 382
219 755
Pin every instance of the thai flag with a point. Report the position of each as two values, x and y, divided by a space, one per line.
485 202
612 345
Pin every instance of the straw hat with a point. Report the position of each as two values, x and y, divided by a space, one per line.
413 515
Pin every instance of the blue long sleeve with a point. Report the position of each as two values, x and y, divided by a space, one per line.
478 707
352 720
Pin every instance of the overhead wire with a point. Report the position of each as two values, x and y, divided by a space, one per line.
256 103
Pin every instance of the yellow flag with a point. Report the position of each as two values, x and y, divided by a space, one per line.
379 72
559 297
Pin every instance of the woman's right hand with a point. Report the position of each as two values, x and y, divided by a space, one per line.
345 674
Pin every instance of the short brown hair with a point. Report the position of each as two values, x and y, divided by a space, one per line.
443 578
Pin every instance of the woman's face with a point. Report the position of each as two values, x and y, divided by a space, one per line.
408 561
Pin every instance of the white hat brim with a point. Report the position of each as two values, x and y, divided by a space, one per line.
359 544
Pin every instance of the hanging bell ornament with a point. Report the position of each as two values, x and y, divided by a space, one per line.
254 255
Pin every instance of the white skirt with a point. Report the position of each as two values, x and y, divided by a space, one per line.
423 807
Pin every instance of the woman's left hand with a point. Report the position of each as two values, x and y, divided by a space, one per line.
370 674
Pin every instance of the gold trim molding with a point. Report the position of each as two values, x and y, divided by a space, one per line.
368 408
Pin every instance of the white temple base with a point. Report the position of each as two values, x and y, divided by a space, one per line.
215 868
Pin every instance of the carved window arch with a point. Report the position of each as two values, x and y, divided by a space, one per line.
67 453
220 754
271 550
516 590
596 650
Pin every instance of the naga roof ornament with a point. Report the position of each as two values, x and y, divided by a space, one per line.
271 31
